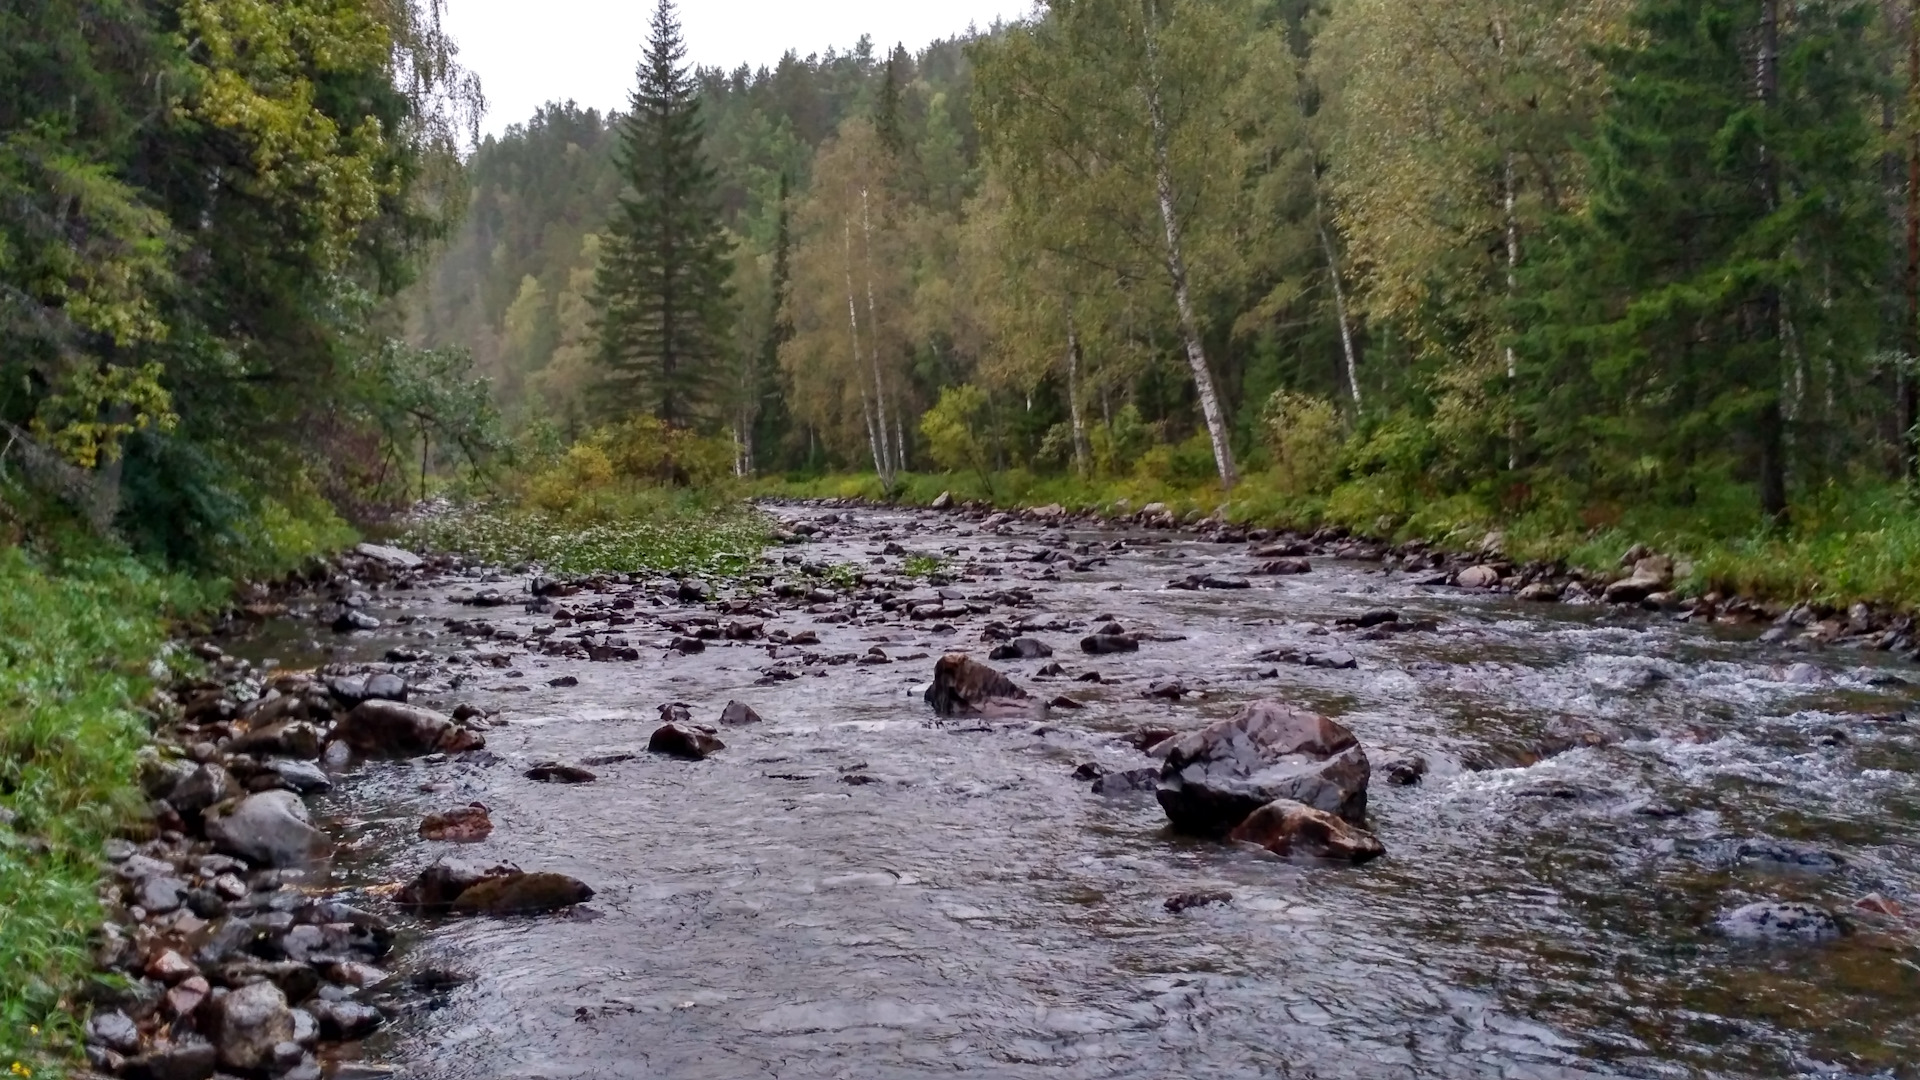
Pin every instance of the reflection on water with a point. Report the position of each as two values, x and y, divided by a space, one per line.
975 910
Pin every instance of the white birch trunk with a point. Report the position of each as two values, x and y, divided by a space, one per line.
1073 397
873 350
1513 285
859 379
1340 312
1177 270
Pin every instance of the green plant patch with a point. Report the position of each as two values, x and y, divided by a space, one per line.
661 533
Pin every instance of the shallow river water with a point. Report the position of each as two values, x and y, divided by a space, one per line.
971 908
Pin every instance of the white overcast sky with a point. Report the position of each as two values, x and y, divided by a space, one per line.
586 50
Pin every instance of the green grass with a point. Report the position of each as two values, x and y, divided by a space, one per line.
76 642
1847 543
651 530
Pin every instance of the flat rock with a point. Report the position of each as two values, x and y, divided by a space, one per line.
397 558
1285 827
552 772
395 729
1106 644
522 894
1213 778
463 825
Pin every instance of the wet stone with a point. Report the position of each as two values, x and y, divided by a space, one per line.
1781 922
684 741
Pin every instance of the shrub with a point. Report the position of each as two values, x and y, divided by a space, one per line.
1307 438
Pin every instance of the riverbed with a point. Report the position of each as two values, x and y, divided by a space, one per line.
855 888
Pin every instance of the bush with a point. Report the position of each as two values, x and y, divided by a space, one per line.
954 430
1307 438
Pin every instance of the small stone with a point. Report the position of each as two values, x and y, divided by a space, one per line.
170 967
552 772
1875 904
113 1030
737 714
465 825
248 1023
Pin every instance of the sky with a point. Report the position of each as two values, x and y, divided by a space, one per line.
527 54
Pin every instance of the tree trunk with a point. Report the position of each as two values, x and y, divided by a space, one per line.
1340 310
1771 426
1906 387
873 349
1177 269
859 379
1073 398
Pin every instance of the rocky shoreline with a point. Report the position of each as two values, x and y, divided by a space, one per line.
1644 579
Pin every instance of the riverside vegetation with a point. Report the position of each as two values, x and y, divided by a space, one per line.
1587 274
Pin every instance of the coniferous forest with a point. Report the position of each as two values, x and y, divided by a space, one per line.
1580 263
1609 302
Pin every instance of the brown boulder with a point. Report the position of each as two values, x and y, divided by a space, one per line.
963 686
1213 778
438 886
466 825
522 894
390 728
685 741
1285 827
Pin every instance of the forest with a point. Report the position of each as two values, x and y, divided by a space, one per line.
1576 265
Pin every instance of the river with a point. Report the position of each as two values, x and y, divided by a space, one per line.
964 905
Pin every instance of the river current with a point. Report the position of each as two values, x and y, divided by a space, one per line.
854 889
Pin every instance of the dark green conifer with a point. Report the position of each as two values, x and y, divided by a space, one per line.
662 293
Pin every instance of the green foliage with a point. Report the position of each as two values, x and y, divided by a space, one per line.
1306 436
74 651
646 530
954 430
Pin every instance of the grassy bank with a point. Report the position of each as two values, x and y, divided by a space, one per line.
1845 545
77 640
650 530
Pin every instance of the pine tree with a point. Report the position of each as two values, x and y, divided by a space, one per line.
662 293
1725 263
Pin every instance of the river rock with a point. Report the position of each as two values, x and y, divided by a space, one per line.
113 1030
1105 644
270 829
738 714
464 825
963 686
1024 648
1776 921
1213 778
351 620
1130 782
248 1022
552 772
1540 592
281 738
1477 577
206 785
1284 567
522 894
1186 901
1651 574
437 887
302 776
345 1021
942 501
390 728
688 741
183 1060
396 558
1285 827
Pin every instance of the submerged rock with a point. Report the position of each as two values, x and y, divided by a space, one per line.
1285 827
1778 921
438 886
963 686
738 714
1185 901
1213 778
552 772
1106 644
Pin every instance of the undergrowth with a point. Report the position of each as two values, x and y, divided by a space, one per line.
76 642
652 530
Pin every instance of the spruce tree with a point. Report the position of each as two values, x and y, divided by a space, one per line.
662 293
1725 257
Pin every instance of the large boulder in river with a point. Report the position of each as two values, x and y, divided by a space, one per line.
1215 777
434 891
1285 827
689 741
393 729
963 686
522 894
268 829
